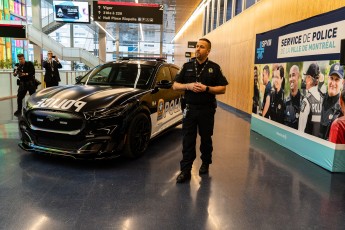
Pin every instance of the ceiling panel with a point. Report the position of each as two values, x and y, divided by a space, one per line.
184 10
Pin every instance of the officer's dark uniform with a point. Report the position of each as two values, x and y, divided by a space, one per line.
292 110
266 93
256 99
277 106
199 111
330 111
313 122
26 83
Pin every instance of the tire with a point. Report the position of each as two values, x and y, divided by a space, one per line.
138 136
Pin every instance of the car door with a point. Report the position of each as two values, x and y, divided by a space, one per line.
166 100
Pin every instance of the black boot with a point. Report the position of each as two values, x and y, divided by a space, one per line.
183 176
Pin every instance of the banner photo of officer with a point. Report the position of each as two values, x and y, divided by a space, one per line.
298 79
302 95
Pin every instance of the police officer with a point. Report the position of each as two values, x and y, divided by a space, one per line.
256 97
310 115
276 99
25 71
267 83
330 106
201 79
293 101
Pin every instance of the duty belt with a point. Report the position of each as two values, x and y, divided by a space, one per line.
191 106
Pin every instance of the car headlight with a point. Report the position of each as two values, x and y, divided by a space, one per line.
28 105
106 112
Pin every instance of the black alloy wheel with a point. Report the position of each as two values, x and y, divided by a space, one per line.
138 136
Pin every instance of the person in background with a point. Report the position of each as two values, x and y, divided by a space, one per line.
310 115
276 99
293 101
256 97
201 79
330 105
267 83
337 131
25 71
51 65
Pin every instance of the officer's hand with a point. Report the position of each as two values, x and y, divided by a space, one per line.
198 87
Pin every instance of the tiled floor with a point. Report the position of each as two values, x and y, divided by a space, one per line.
253 184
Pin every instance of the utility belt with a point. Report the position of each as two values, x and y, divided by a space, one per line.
27 82
205 106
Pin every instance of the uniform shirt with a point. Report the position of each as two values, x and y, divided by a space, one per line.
292 110
277 106
256 98
310 115
337 133
268 89
210 75
330 111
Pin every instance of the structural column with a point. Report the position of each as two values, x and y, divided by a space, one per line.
102 41
37 23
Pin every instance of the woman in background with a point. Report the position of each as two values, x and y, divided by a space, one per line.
337 133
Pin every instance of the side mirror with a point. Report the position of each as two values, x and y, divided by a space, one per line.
78 78
164 84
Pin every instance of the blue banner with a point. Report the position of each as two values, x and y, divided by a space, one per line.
316 38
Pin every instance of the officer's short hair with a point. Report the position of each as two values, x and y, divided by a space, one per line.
267 69
295 67
280 68
206 40
20 55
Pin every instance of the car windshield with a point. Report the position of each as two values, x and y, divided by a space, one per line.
120 74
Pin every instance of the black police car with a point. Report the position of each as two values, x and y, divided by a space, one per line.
115 109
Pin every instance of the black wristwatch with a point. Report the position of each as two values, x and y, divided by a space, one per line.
207 89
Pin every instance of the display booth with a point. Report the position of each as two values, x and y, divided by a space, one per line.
298 80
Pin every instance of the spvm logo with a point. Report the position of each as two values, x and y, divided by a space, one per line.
260 51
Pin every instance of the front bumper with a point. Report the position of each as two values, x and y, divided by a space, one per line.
79 146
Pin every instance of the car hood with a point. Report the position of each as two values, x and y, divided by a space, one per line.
82 98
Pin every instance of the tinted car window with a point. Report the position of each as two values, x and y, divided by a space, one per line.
173 71
163 74
128 75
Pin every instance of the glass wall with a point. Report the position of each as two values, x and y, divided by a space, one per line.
125 40
221 12
238 7
215 13
249 3
229 9
218 12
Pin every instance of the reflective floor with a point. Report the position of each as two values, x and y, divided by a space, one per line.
253 184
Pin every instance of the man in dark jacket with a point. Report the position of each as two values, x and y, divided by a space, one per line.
25 71
51 65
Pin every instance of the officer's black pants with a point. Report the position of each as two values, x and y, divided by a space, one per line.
51 83
24 87
197 118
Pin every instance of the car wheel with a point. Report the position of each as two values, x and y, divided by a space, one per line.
138 136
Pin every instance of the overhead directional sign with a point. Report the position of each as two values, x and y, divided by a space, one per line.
128 12
12 31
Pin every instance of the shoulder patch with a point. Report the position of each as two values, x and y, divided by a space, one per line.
303 106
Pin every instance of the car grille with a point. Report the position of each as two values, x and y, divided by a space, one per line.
58 122
59 141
